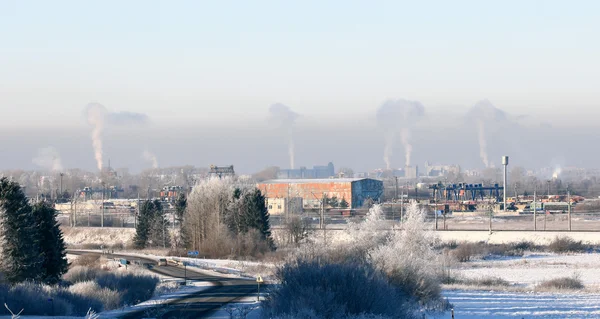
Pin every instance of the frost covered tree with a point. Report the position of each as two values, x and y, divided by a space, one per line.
180 206
51 244
21 258
226 215
409 257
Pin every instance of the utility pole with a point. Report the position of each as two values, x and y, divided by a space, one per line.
569 205
61 178
394 208
102 213
548 190
505 164
534 209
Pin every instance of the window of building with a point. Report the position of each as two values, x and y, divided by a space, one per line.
270 206
279 207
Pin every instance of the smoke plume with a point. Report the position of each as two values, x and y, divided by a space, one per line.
285 118
150 157
398 117
48 158
96 114
484 113
98 117
482 144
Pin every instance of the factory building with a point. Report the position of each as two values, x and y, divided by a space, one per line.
323 171
355 191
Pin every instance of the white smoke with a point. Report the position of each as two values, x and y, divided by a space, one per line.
485 114
482 144
150 157
405 138
556 172
285 118
48 158
387 150
397 117
98 116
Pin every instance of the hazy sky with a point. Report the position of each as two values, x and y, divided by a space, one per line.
224 62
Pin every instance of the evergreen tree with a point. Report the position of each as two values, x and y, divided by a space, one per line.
180 207
333 202
159 232
233 214
20 246
142 230
257 215
51 244
344 203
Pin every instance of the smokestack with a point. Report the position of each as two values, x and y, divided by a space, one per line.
505 164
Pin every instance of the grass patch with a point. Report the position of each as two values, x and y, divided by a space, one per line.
566 245
562 283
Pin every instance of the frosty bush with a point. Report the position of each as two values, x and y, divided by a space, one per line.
310 289
410 260
80 274
110 299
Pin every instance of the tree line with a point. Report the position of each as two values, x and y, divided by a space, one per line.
33 248
225 216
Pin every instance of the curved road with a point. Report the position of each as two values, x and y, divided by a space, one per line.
197 305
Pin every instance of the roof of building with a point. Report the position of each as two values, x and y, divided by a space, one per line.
313 180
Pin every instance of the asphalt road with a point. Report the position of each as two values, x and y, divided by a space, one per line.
198 305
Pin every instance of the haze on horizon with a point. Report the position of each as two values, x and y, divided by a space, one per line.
205 74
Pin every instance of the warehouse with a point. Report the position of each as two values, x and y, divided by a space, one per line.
354 191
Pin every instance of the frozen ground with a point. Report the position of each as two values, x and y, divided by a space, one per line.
534 268
482 304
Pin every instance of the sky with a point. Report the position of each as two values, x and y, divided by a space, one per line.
221 64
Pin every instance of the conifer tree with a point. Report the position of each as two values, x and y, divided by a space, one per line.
159 232
142 230
257 215
180 207
344 203
21 259
51 244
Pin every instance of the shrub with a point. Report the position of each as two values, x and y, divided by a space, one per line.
87 260
568 283
110 299
334 291
485 282
464 252
135 287
566 244
81 274
410 260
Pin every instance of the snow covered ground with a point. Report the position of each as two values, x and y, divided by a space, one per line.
534 268
495 304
